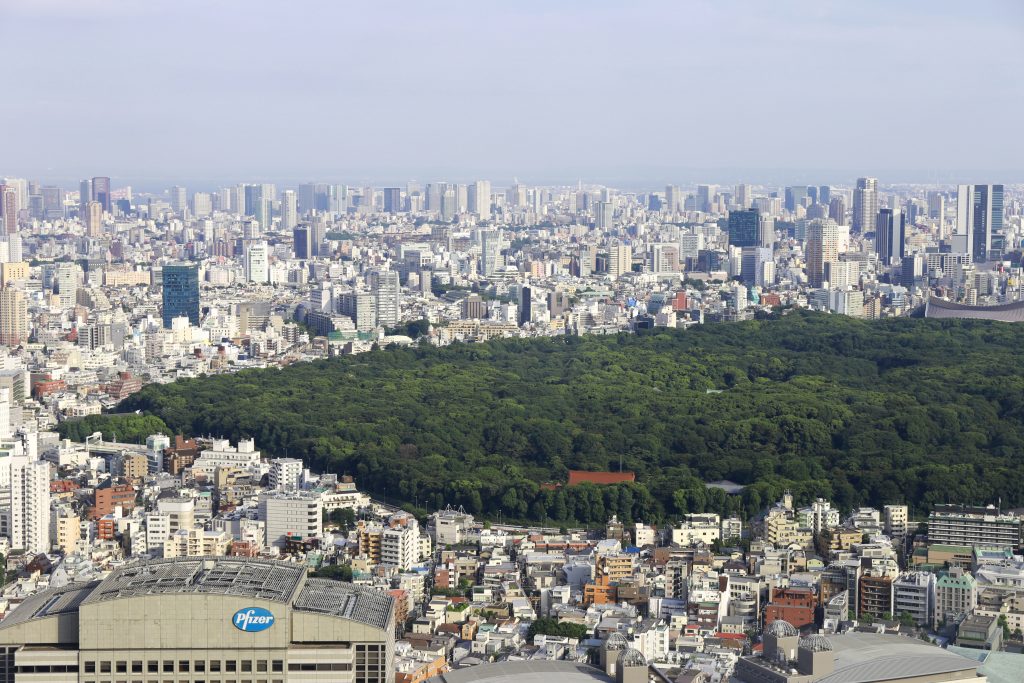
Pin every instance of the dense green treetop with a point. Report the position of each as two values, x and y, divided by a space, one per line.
862 412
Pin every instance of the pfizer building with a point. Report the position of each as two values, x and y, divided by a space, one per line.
201 620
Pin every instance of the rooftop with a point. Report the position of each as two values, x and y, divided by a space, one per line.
867 657
525 672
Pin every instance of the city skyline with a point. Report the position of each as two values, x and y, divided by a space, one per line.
599 92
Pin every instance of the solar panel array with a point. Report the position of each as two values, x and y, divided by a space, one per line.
345 600
223 576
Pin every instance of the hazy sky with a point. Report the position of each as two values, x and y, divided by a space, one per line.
196 91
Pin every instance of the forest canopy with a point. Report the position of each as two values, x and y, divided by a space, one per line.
862 412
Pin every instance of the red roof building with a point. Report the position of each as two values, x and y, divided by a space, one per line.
600 478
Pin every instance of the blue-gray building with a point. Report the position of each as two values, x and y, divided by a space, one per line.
181 292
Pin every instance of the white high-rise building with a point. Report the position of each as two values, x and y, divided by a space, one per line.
30 504
285 474
620 259
490 252
66 279
296 515
289 209
388 293
257 263
822 247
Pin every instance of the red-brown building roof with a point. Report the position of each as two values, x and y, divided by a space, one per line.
599 478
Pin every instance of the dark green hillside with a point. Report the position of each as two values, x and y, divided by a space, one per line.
919 411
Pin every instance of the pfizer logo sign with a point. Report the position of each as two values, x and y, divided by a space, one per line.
252 619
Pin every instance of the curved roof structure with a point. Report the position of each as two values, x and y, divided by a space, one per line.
633 657
275 581
616 641
940 308
816 643
539 671
781 629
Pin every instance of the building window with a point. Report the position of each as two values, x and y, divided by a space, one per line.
104 667
261 665
168 666
246 665
137 667
200 666
90 667
183 665
121 668
277 665
231 665
153 666
215 665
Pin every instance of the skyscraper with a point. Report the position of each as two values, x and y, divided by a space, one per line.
890 236
13 317
289 210
705 193
94 219
525 305
179 200
979 218
479 199
620 259
604 215
84 194
180 293
745 228
30 503
66 281
865 205
101 193
388 293
301 243
822 247
837 210
490 252
795 197
392 199
9 209
257 262
673 202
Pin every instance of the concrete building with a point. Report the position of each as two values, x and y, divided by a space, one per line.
914 595
294 515
201 619
285 474
966 525
956 594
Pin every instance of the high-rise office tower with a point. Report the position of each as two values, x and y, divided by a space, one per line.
890 235
179 200
94 219
665 258
202 204
392 199
912 271
705 195
822 247
745 228
13 317
490 252
824 194
449 204
84 194
101 193
525 305
388 293
795 197
604 215
479 199
289 210
744 196
757 268
257 263
180 293
936 205
66 281
620 259
979 219
301 242
837 210
9 209
673 199
865 205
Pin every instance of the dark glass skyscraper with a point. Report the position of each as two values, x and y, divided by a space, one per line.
890 235
101 193
181 293
745 228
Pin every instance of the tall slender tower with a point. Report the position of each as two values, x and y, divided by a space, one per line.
865 205
822 248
